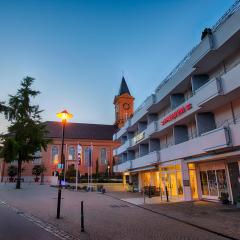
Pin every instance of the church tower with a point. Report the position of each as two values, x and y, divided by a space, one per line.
124 104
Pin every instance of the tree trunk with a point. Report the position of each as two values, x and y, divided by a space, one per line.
18 185
42 179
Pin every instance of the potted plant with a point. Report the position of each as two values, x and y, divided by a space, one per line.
12 172
37 171
224 198
238 201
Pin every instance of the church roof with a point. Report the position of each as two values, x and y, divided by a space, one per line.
81 130
123 88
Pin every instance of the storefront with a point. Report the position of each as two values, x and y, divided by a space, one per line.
171 179
213 179
193 181
149 179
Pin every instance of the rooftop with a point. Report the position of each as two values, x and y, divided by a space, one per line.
81 131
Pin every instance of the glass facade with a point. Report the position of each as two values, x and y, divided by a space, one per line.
213 182
171 177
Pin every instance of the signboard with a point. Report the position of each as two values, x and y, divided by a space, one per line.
60 166
176 113
139 137
186 183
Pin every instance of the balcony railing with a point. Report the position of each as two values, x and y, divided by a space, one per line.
122 148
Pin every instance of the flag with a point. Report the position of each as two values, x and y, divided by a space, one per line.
90 156
79 154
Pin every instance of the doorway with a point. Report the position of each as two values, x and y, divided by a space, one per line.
233 169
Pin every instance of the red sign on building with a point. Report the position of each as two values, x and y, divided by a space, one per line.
176 113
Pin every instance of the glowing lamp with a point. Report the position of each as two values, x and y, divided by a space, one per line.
64 115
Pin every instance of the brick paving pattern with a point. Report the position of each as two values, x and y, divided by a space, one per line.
105 217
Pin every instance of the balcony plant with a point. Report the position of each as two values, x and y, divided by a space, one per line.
224 198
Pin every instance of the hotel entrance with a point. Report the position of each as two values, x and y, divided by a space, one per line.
171 178
213 180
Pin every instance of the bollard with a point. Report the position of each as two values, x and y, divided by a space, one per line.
59 203
82 217
149 191
167 193
144 200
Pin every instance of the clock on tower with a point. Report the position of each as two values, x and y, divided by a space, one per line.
123 104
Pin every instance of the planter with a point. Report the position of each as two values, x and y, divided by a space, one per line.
36 179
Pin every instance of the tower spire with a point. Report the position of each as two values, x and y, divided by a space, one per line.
123 87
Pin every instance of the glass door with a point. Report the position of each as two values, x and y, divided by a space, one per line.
212 183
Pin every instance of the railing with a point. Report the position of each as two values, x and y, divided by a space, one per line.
227 15
228 122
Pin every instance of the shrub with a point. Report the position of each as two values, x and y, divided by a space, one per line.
12 172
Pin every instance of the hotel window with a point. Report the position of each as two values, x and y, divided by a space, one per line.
71 153
103 156
54 154
86 156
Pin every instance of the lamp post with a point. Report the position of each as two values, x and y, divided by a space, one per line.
64 116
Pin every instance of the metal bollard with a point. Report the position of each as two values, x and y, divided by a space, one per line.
59 203
82 217
167 193
149 191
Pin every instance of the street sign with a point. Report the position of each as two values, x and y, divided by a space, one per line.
60 166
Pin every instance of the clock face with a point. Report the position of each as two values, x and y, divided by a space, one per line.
126 106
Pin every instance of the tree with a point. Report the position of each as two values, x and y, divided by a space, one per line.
38 170
26 134
12 172
71 173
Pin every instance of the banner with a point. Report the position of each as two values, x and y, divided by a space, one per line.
79 154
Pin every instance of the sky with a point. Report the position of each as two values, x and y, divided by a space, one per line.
78 50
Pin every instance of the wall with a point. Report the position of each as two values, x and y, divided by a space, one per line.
50 166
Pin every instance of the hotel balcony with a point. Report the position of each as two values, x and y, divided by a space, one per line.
122 148
122 131
142 110
217 139
202 95
146 160
214 140
184 68
122 167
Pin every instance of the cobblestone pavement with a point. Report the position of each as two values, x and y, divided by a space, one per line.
224 219
105 217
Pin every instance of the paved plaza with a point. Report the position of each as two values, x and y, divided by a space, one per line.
107 217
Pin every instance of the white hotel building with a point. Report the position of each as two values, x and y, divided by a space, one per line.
186 136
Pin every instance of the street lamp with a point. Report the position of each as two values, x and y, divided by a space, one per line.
64 116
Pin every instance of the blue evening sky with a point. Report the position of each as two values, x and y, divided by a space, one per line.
77 50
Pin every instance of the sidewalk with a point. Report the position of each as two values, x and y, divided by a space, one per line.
106 217
220 218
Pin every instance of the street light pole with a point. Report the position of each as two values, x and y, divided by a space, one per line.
62 170
64 116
